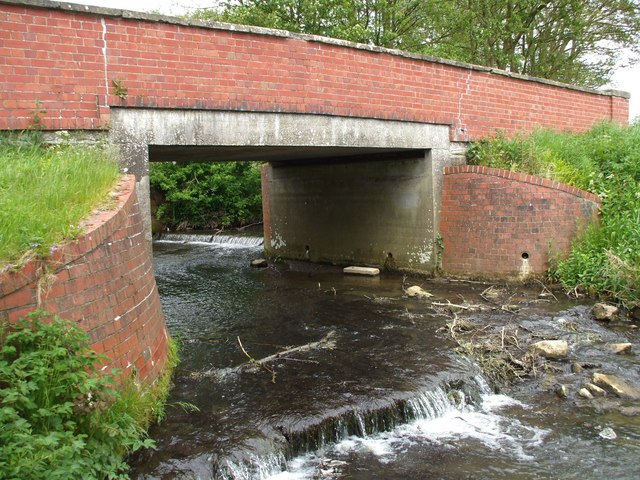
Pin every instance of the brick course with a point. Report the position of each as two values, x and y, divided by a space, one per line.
66 58
104 282
492 217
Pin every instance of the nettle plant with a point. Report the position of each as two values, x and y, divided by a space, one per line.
61 414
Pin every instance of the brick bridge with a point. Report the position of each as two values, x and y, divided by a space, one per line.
356 137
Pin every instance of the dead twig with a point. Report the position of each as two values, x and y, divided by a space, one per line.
255 362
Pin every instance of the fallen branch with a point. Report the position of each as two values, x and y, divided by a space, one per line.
257 363
327 342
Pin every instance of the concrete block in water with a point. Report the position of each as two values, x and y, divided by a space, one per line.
370 271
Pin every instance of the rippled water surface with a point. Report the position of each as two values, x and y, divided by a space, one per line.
387 397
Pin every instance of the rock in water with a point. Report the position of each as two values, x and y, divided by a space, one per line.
595 390
584 393
604 311
576 367
417 291
562 391
259 263
551 348
608 433
617 386
369 271
619 347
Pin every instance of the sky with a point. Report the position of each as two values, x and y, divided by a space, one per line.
625 79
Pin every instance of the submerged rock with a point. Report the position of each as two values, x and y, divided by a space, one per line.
416 291
551 348
619 347
604 311
616 385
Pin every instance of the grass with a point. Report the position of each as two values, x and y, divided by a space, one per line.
45 191
605 161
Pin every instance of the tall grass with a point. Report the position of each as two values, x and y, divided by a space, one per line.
604 161
46 190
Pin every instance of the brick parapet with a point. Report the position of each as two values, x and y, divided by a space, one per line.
103 281
68 56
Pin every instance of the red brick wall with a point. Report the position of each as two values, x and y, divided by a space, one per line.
491 217
105 283
67 58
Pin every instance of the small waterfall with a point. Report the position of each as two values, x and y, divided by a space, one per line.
318 433
218 239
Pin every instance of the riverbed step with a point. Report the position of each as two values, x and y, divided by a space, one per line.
370 271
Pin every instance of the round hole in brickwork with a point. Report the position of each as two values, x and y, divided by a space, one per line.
525 255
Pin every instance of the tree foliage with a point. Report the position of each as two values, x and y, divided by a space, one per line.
207 195
573 41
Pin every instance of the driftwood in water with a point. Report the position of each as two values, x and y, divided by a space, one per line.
327 342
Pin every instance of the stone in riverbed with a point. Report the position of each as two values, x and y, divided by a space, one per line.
604 311
608 434
551 348
259 263
416 291
576 367
595 390
617 386
619 347
584 393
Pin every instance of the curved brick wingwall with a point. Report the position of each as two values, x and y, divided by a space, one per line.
103 281
505 224
61 60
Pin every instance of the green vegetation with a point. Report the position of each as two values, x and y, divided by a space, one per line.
46 190
207 195
578 42
62 416
604 161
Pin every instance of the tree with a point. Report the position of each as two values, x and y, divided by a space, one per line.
572 41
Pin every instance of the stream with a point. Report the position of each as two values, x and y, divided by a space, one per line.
388 397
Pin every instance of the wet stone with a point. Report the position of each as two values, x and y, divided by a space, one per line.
585 393
604 311
619 347
416 291
616 385
259 263
576 367
551 348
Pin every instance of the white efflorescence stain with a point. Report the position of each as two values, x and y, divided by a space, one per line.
422 255
277 241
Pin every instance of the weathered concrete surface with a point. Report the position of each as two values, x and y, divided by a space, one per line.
351 189
356 212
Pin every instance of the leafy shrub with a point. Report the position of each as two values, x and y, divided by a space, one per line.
207 195
604 161
60 416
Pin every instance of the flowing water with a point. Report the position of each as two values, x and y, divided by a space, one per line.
384 395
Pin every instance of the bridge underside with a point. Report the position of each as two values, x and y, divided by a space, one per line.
348 190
